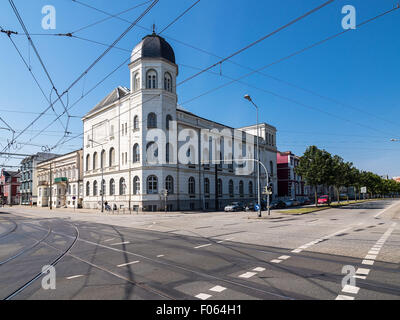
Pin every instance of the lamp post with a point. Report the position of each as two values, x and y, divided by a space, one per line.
247 97
102 178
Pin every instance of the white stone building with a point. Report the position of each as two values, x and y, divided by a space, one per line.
60 181
126 155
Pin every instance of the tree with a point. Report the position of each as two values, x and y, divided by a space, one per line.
314 168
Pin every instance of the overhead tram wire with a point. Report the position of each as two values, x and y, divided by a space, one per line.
17 14
92 65
31 72
112 72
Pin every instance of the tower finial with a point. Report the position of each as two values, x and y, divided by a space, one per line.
154 28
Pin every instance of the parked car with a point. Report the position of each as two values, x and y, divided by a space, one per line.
277 204
295 202
234 206
288 203
323 199
250 206
305 201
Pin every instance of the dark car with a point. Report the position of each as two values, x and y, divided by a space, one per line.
277 204
234 206
250 206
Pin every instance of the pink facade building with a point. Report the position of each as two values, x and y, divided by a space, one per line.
290 184
9 187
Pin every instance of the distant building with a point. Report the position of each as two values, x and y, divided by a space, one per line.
28 188
59 181
290 184
397 179
9 187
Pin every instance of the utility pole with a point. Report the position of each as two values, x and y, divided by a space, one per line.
51 189
216 188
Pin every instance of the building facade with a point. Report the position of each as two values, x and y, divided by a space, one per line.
28 188
59 181
290 184
142 152
9 187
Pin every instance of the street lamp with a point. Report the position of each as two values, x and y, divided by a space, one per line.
247 97
102 178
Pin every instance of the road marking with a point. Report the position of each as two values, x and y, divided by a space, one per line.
297 250
284 257
126 264
160 255
73 277
384 210
217 289
247 275
370 257
109 240
276 261
360 277
350 289
259 269
229 239
204 245
343 297
116 244
368 262
375 252
362 271
203 296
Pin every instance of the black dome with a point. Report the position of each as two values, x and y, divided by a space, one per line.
154 46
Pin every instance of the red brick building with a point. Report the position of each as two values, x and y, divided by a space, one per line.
9 187
290 184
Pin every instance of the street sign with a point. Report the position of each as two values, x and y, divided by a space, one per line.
257 207
363 189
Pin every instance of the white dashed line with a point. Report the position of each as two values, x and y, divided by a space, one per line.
284 257
247 275
109 240
127 264
73 277
259 269
343 297
297 250
276 261
217 289
203 296
370 257
350 289
360 277
116 244
362 271
368 262
204 245
225 240
160 255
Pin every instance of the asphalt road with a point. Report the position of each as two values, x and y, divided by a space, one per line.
212 256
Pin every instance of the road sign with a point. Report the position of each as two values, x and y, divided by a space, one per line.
257 207
363 189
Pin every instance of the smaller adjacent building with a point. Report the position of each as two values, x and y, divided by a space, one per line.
28 188
290 185
9 187
60 181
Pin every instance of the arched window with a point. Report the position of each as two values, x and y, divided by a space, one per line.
87 162
95 160
231 191
122 187
168 153
219 187
95 188
192 186
136 185
151 82
136 82
271 168
169 184
152 185
152 152
206 186
167 82
136 153
112 187
251 188
136 123
103 187
152 120
112 157
102 158
88 189
168 122
241 189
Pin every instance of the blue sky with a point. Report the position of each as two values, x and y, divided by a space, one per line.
342 96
